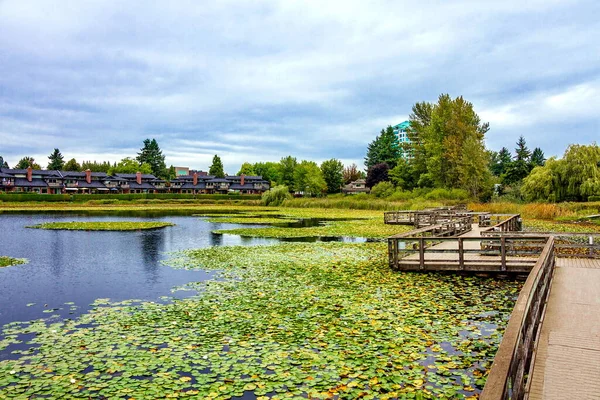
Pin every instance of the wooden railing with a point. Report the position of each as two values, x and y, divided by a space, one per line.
492 254
513 361
501 222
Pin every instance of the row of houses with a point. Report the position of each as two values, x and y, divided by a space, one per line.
61 182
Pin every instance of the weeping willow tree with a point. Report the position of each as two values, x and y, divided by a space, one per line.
574 177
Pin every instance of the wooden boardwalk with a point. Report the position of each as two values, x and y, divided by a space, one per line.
567 359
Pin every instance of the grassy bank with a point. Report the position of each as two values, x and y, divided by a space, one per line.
102 226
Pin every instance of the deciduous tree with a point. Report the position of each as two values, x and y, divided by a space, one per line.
129 165
377 173
72 165
332 171
27 162
246 169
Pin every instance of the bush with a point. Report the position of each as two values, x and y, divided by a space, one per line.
383 189
20 197
276 196
447 194
594 198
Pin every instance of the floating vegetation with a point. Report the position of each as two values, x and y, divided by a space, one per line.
368 228
8 261
102 226
324 320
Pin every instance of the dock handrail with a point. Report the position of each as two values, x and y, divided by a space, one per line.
507 379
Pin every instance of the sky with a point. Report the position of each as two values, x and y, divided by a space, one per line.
260 80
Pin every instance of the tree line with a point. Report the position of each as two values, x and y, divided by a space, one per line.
447 151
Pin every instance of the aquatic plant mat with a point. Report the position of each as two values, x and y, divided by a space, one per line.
319 320
8 261
102 226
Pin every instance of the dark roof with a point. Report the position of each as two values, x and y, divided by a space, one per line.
218 180
40 172
92 185
143 185
82 174
247 178
192 186
3 175
133 176
23 182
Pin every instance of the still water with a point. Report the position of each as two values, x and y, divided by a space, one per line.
82 266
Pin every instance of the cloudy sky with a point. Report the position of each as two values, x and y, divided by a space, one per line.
258 80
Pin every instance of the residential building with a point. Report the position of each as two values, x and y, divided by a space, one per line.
358 186
60 182
403 139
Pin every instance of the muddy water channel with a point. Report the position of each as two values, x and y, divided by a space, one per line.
79 267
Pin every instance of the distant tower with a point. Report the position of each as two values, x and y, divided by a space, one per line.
400 131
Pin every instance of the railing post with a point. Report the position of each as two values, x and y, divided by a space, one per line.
591 246
503 252
421 252
461 255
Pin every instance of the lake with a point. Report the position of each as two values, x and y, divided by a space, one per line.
82 266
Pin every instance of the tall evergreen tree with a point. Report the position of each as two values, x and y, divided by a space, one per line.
216 169
501 162
384 149
521 166
57 161
537 158
151 154
333 174
3 164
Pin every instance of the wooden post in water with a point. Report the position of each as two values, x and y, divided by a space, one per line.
421 253
461 254
503 252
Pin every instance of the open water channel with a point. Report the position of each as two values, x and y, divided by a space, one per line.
82 266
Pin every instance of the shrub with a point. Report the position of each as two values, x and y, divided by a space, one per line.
447 194
276 196
594 198
383 189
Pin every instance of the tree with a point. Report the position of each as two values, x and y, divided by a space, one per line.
574 177
95 166
129 165
268 170
473 168
332 171
72 165
286 167
151 154
351 174
500 162
216 169
521 166
537 158
171 174
402 175
27 162
384 149
57 161
246 169
3 164
308 178
439 133
377 173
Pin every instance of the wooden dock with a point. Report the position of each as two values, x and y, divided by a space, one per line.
551 345
566 362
